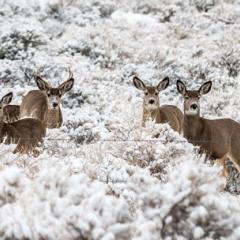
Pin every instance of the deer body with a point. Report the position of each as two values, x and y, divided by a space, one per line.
34 105
11 113
151 106
218 138
165 114
215 137
44 104
27 133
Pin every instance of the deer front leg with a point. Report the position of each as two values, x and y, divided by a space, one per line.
222 162
19 149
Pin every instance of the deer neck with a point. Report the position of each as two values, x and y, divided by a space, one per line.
151 114
192 127
54 118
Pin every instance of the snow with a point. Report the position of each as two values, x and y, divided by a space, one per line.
102 175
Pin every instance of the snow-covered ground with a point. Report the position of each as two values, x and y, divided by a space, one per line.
103 176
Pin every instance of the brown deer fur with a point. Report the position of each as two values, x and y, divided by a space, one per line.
44 104
218 138
27 133
151 105
11 113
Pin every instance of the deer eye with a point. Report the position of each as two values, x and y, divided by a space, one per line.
146 93
156 94
186 97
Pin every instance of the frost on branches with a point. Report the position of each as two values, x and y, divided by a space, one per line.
102 175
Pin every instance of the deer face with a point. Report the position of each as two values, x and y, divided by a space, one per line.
192 98
151 94
54 94
54 97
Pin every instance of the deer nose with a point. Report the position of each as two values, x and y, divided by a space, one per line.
194 106
55 105
151 101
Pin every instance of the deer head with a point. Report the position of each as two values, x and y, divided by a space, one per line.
151 94
4 102
192 98
54 94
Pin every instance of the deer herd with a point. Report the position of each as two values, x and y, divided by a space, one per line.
217 138
26 125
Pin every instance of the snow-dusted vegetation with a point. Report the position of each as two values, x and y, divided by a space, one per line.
102 175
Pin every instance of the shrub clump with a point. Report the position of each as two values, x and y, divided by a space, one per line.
17 45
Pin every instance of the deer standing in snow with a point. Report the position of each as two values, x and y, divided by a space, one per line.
44 104
26 133
218 138
151 105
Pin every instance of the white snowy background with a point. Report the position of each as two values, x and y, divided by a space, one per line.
85 186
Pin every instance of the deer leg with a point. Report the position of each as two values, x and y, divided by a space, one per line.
8 140
18 149
34 148
222 162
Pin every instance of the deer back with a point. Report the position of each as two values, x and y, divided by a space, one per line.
172 115
29 128
34 105
27 133
221 136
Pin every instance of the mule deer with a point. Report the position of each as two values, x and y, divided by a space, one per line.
151 105
44 104
218 138
27 133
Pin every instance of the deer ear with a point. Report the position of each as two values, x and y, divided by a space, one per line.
42 84
205 88
7 98
139 84
163 84
66 86
181 87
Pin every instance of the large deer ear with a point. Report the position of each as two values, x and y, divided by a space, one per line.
181 87
7 98
66 86
205 88
163 84
42 84
138 83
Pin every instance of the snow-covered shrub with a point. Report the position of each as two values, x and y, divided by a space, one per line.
204 5
81 131
10 185
230 62
18 45
102 175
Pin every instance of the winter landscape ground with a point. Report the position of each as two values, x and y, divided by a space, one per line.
102 175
